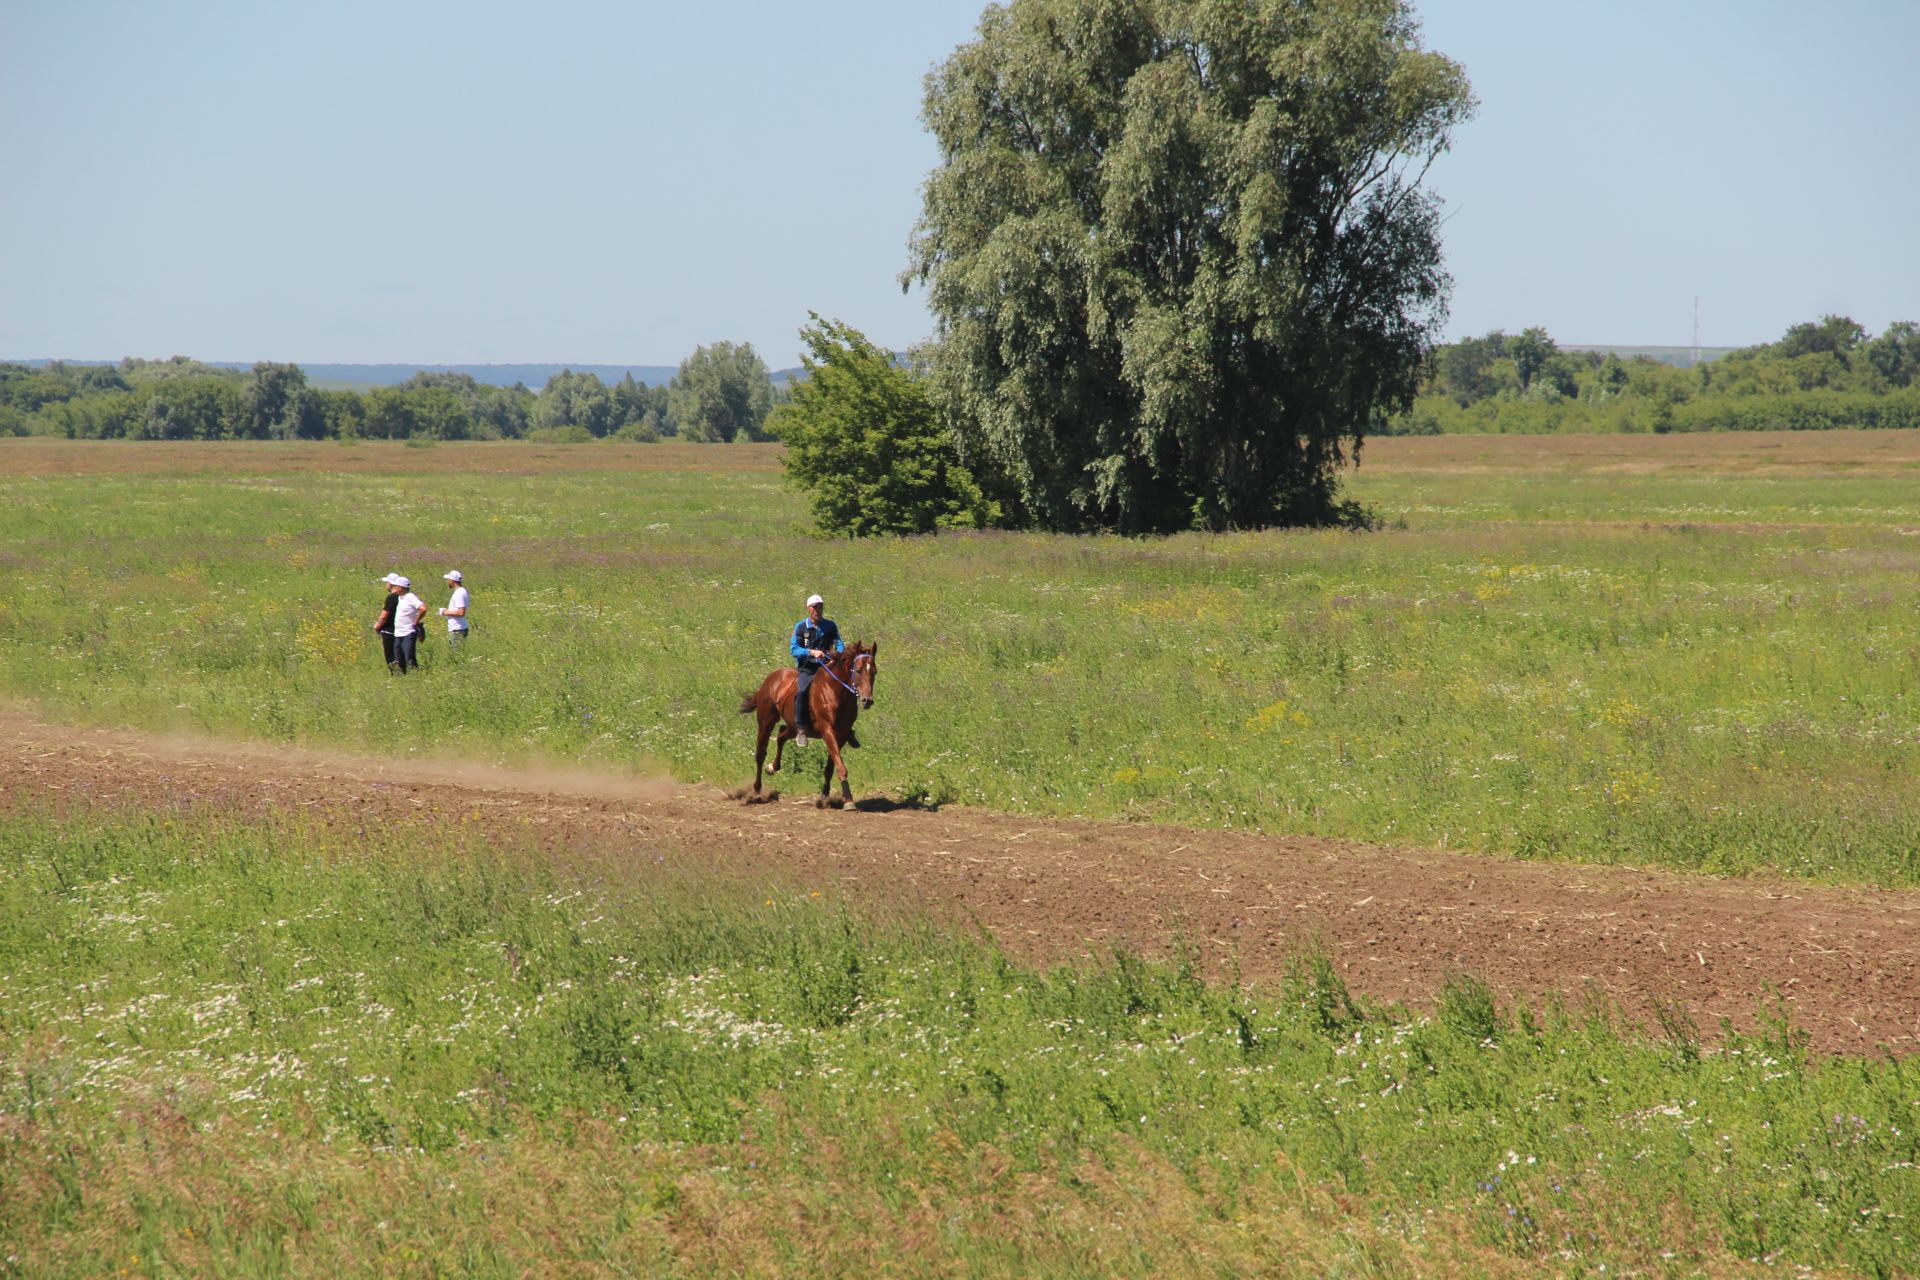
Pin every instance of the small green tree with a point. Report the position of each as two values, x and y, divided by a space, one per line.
345 413
277 405
575 400
1609 379
721 392
1834 335
1464 369
438 414
1530 353
864 439
1895 354
191 409
638 409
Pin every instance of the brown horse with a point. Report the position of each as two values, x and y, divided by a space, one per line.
843 687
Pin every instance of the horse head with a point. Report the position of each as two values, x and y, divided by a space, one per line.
862 666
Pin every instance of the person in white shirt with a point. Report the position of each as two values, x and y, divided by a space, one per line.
456 611
407 611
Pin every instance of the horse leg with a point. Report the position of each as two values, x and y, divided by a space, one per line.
834 763
826 774
760 753
779 709
846 789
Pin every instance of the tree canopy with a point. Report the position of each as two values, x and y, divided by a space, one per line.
1178 252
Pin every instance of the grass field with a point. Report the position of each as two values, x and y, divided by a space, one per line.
1693 651
266 1049
269 1046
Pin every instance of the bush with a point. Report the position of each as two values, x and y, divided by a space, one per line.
1817 410
864 439
1802 411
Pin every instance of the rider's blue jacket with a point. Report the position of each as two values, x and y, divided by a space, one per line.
808 634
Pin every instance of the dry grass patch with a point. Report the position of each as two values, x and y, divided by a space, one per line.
39 456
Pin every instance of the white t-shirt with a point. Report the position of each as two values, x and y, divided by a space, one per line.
406 614
459 601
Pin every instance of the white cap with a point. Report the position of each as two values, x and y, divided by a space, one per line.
395 580
453 575
814 600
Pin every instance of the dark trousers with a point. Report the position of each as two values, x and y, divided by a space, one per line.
386 646
800 687
403 652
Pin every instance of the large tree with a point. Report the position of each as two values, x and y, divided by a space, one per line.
1178 252
721 392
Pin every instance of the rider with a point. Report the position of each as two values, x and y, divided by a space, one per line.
814 638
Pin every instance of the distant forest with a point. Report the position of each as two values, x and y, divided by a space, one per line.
719 393
1819 375
1822 374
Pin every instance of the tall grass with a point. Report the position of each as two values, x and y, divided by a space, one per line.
1710 671
277 1051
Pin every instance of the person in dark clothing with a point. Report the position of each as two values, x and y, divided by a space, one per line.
814 637
384 623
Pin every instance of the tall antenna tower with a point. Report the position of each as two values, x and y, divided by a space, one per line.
1696 331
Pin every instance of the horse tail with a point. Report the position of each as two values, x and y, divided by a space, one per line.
750 702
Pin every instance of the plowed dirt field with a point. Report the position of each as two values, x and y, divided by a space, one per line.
1396 921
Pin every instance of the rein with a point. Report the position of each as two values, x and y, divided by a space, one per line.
827 667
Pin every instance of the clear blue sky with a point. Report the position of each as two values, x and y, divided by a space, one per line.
618 182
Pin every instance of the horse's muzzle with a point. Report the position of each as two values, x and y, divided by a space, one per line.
866 704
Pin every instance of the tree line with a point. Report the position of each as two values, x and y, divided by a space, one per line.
1181 262
721 392
1819 375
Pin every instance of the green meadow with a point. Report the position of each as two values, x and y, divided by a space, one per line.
268 1047
262 1049
1674 653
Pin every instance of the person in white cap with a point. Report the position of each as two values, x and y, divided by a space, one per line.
456 611
383 624
814 637
407 611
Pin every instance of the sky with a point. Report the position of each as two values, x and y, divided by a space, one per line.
618 183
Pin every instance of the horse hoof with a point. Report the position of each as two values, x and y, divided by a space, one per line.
821 803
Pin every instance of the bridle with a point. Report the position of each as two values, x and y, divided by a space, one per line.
858 658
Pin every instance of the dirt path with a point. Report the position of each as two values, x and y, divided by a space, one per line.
1395 921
